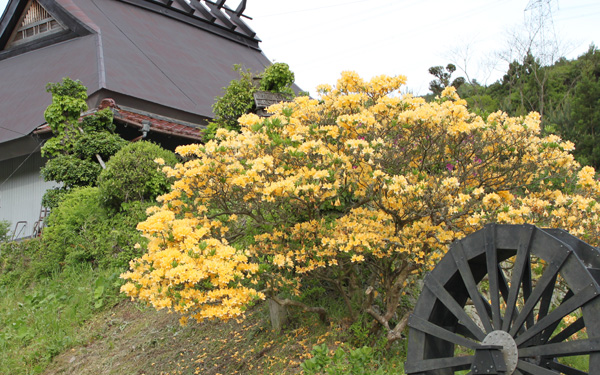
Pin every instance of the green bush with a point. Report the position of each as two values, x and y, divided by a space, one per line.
121 236
237 100
4 230
70 234
104 144
99 121
238 97
81 230
133 175
278 78
52 197
71 171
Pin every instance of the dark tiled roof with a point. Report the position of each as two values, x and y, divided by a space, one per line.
158 124
137 119
161 59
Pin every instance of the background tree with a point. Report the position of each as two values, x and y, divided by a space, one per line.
442 80
78 148
570 99
584 125
359 191
238 98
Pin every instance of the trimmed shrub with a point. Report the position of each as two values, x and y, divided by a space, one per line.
104 144
71 171
133 175
71 233
81 230
52 197
120 236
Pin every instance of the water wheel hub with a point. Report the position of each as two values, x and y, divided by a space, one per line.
498 354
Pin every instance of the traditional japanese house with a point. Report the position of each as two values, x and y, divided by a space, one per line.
159 64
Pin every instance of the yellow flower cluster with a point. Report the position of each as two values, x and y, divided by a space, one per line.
189 266
357 181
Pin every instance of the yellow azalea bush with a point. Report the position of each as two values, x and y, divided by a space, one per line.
362 189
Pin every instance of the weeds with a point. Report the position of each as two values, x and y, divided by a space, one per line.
39 321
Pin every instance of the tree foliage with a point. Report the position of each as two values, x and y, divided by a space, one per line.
442 78
360 190
4 230
71 171
278 78
566 94
238 98
77 145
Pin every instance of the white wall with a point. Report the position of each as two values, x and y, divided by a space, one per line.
21 191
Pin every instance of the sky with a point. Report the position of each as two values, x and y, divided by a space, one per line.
321 38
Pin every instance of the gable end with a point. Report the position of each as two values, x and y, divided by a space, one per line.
33 24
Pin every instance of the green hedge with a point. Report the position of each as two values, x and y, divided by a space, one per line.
133 175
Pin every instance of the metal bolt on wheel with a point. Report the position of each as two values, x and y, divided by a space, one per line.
509 299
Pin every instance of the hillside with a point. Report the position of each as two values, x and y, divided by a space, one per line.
75 322
129 339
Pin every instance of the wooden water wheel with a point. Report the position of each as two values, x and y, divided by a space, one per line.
509 299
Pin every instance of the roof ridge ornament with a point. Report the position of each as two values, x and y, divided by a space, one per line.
214 12
241 8
208 15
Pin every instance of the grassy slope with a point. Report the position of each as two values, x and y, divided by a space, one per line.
72 324
129 339
75 322
38 321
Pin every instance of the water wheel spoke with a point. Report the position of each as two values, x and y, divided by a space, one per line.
450 303
503 283
548 277
521 262
467 276
557 314
493 277
547 332
534 369
486 304
437 331
569 331
454 363
527 290
465 332
546 299
562 349
564 369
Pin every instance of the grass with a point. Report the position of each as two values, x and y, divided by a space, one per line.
131 339
75 322
41 320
